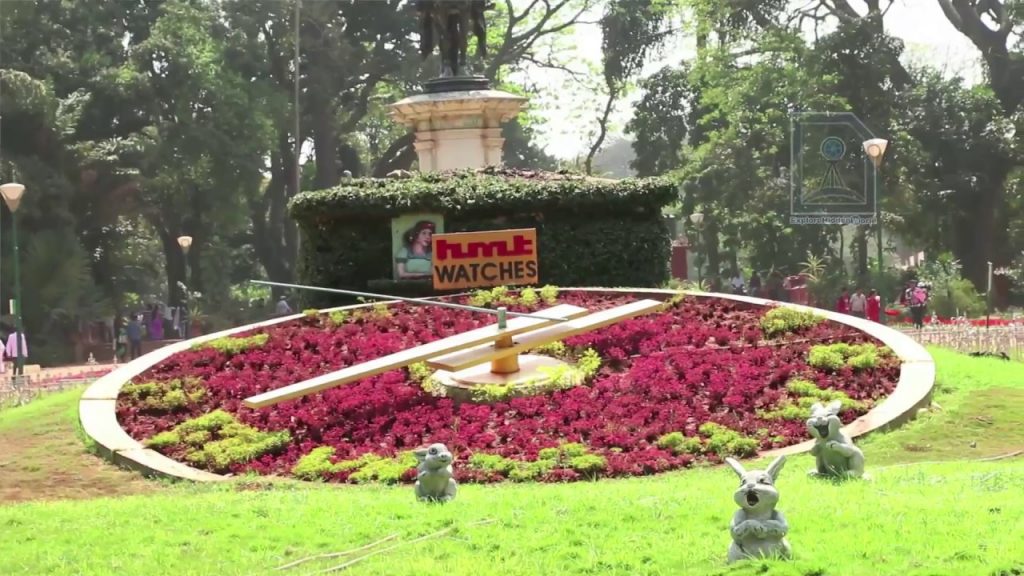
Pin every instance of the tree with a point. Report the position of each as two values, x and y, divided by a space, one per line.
865 63
206 133
1005 78
735 167
958 142
631 29
662 120
989 24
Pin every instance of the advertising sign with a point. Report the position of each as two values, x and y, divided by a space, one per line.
479 259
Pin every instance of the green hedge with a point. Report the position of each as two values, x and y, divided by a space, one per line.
590 232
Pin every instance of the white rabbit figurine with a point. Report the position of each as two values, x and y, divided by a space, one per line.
834 454
757 528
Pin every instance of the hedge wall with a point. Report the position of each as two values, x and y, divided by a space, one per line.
590 232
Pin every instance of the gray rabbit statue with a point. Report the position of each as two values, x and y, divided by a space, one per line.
834 453
434 482
757 528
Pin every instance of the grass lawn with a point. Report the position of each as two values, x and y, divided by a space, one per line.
42 457
954 517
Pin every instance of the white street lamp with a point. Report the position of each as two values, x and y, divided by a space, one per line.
875 149
12 193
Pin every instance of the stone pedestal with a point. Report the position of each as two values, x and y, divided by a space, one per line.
458 129
528 380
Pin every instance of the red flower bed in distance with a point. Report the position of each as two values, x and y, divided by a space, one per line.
703 360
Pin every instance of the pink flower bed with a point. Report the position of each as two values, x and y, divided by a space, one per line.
704 360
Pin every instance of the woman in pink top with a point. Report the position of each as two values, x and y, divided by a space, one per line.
12 351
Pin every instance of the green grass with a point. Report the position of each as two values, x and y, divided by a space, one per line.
980 414
42 455
957 517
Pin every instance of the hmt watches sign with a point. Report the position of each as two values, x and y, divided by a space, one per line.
478 259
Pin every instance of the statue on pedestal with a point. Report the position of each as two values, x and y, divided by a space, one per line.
447 25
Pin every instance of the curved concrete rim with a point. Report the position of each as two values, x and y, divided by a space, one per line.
98 415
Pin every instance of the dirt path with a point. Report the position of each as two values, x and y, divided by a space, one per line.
42 456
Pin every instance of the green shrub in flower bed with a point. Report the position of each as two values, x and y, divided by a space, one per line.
318 465
834 357
716 438
232 345
166 396
571 456
217 441
806 394
590 232
784 320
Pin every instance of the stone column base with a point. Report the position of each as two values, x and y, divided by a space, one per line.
456 130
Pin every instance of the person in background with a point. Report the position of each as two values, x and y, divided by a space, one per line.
843 302
755 284
156 323
858 304
12 351
121 340
917 299
282 308
134 333
874 306
737 282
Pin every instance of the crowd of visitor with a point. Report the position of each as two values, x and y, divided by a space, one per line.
861 303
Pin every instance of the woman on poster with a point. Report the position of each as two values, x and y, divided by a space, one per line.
413 258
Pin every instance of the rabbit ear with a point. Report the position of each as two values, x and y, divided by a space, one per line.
736 466
421 455
816 407
776 467
834 406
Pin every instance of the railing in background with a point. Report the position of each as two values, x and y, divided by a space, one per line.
20 390
967 337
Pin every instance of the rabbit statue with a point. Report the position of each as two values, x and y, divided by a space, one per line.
434 480
757 528
834 453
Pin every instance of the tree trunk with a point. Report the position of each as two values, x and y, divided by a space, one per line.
861 241
325 144
174 264
602 129
271 224
711 247
983 224
842 247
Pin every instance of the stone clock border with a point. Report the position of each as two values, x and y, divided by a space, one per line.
98 416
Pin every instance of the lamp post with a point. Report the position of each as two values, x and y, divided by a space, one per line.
185 242
697 219
988 299
12 193
875 149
